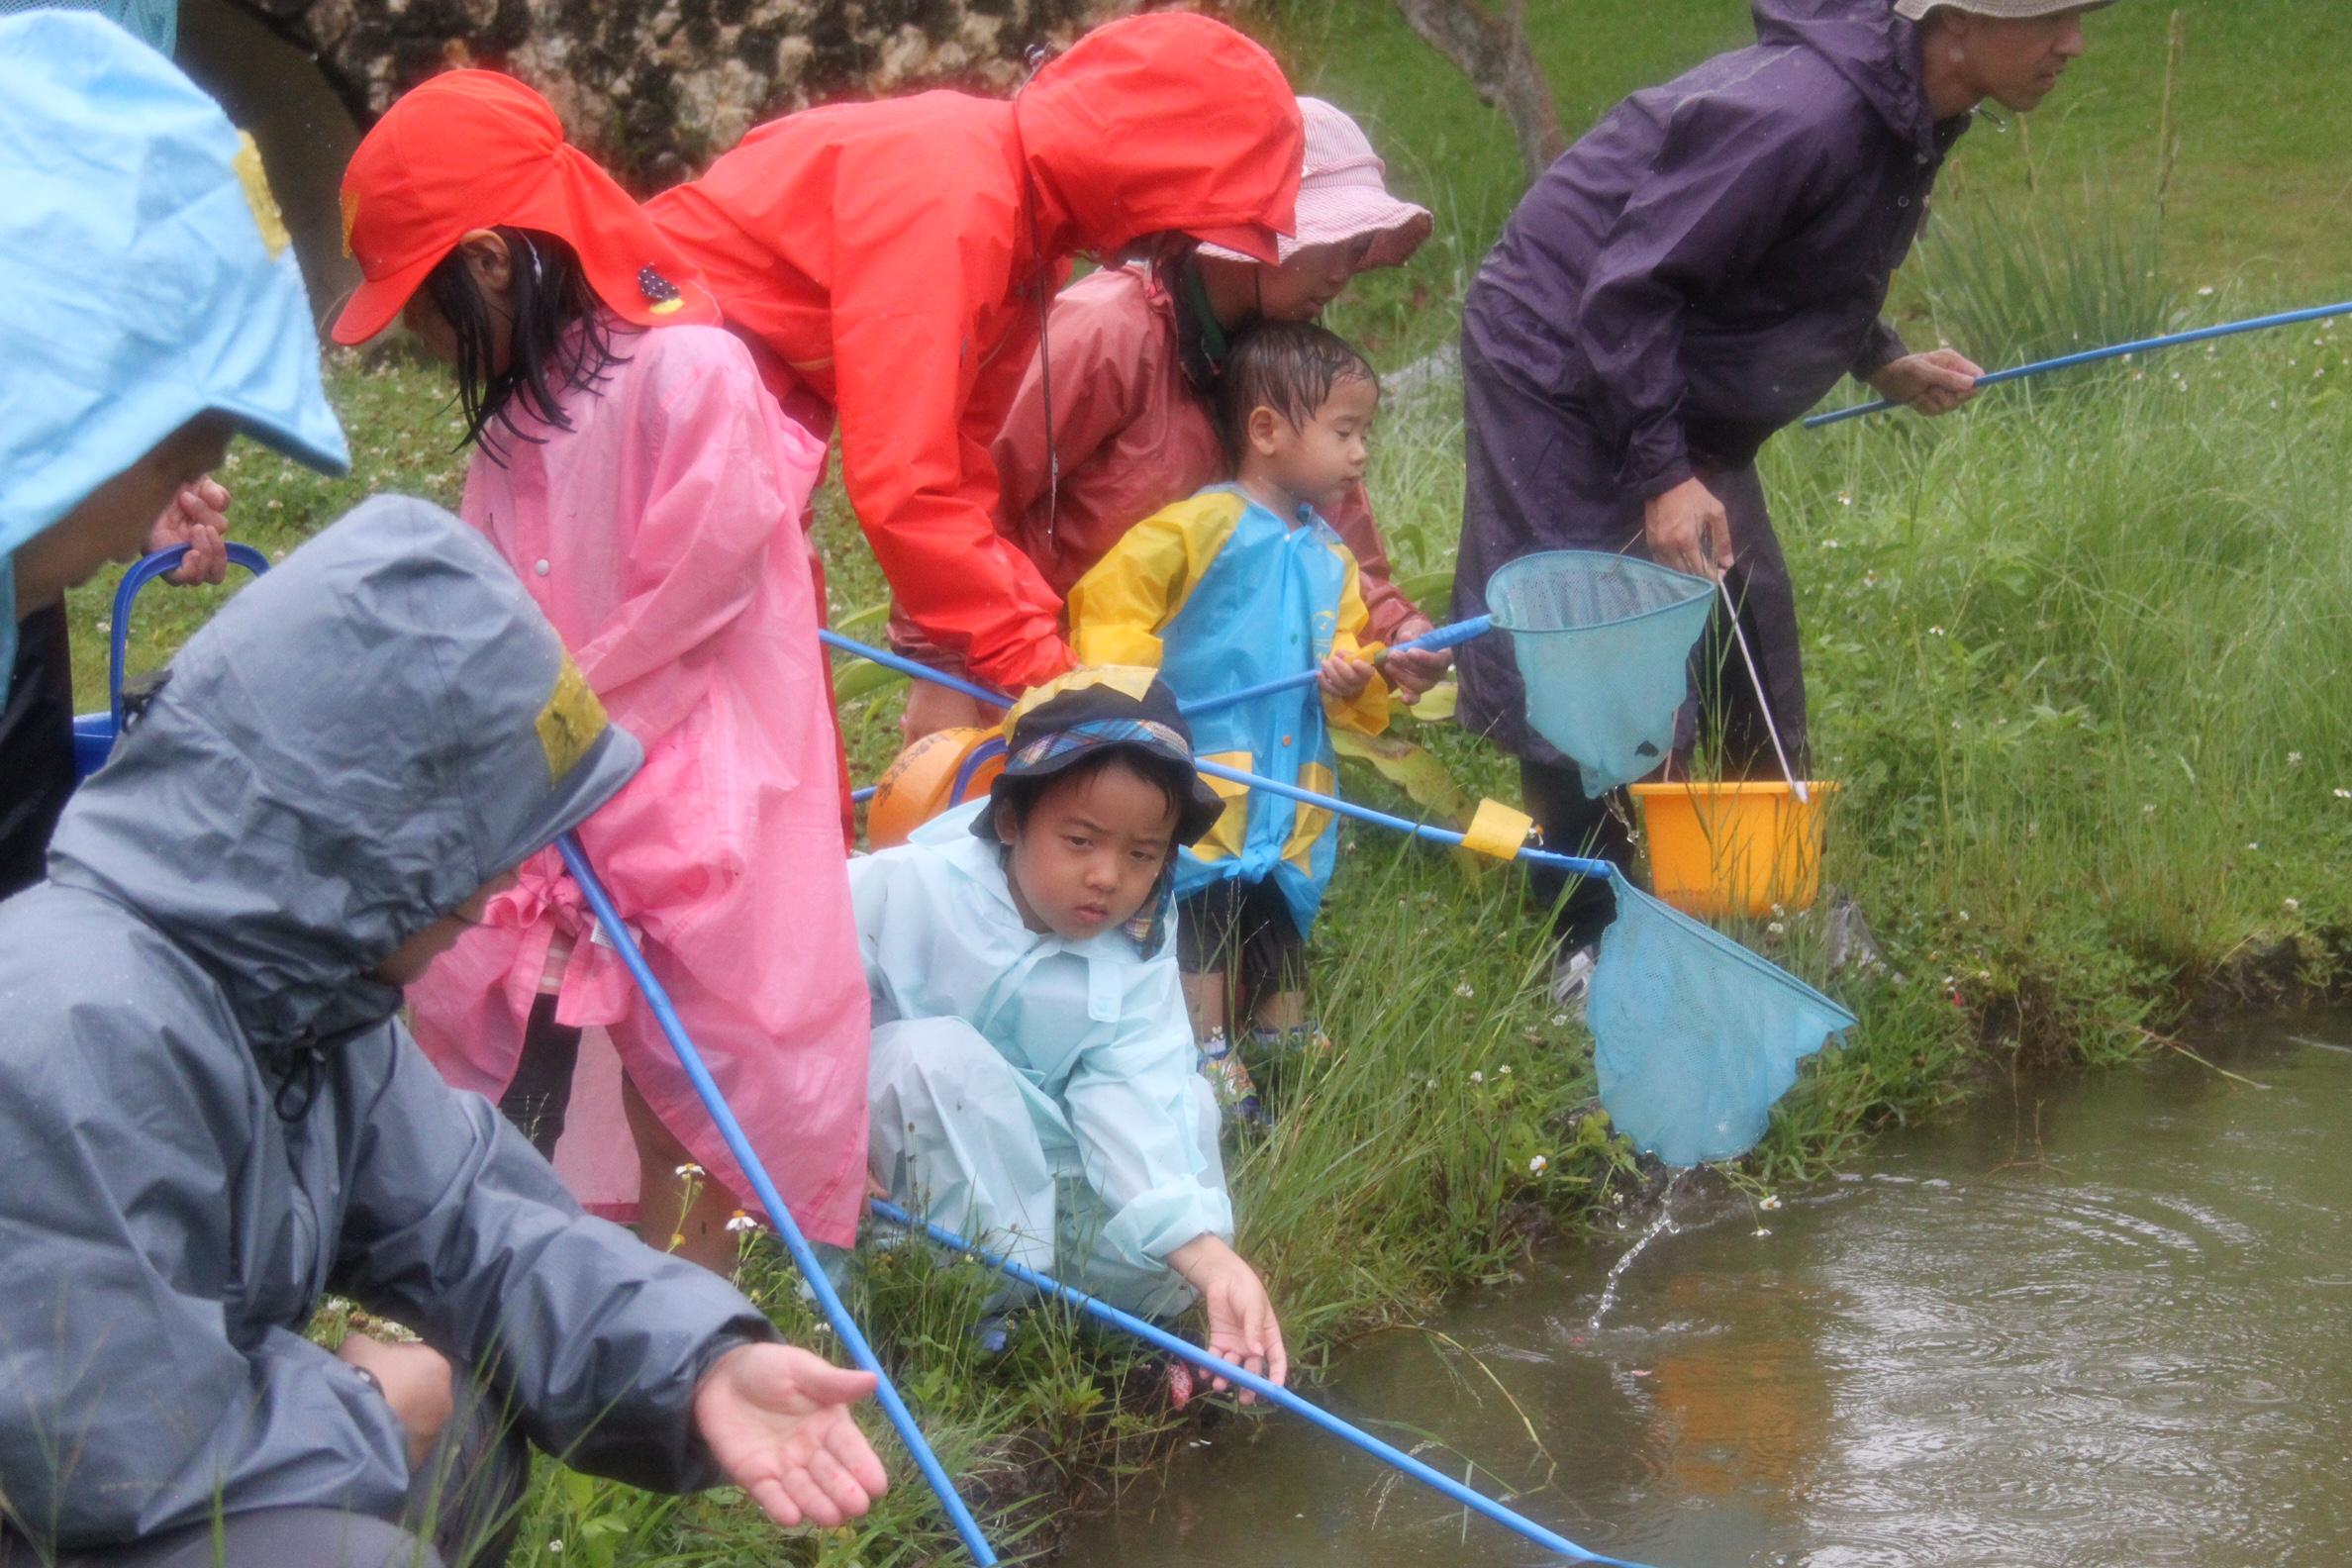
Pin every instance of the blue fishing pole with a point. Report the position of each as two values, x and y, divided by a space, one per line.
1575 864
1273 1392
2094 356
827 1300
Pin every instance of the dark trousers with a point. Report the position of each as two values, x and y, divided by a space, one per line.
36 746
540 1095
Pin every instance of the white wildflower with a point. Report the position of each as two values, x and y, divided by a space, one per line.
2294 759
2292 904
1761 1232
2147 807
686 1170
1768 1200
2252 845
1465 991
1776 929
2343 794
1478 1077
740 1222
2207 292
555 1547
1936 630
1538 1165
1503 1071
1559 1021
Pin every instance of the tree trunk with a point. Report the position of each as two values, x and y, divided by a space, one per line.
1491 50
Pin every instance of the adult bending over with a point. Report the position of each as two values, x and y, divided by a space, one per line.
893 260
1692 276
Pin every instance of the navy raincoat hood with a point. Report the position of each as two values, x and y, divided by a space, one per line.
1705 264
343 755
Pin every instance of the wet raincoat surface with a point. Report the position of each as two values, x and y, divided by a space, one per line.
214 1114
1217 593
894 258
660 536
1133 434
1700 269
1039 1091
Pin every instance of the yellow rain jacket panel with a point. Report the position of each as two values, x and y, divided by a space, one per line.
1217 593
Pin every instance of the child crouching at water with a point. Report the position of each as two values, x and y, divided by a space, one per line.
1245 583
1033 1072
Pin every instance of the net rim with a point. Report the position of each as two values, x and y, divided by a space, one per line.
1717 940
1700 586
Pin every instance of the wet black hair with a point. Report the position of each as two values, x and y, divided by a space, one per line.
549 294
1290 367
1020 796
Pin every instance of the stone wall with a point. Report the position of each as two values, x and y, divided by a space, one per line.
656 87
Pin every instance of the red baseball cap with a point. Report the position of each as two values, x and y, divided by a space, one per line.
475 149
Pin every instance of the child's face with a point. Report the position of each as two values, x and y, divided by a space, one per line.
1090 853
1314 463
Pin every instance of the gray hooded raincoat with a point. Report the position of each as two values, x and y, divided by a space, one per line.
212 1115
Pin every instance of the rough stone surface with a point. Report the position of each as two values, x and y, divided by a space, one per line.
658 88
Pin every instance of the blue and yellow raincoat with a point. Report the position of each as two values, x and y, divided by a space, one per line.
1219 593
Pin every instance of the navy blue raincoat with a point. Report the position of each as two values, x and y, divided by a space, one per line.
1697 272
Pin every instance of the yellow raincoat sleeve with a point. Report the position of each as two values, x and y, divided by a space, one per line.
1368 712
1118 609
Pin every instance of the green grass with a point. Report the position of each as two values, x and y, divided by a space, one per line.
2075 657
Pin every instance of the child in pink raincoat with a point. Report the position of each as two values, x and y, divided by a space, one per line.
629 466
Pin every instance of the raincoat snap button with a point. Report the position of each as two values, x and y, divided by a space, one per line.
540 566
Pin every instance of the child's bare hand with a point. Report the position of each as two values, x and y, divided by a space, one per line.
1241 1324
1343 677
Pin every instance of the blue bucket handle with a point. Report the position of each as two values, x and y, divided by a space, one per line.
127 591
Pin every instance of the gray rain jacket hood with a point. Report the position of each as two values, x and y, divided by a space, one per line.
214 1114
1708 261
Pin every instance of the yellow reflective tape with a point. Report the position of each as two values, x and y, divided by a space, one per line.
569 723
1130 681
1498 831
256 181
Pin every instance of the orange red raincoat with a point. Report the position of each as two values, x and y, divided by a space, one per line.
893 259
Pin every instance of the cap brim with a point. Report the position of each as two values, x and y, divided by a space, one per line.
374 303
1399 228
613 761
1245 243
1194 818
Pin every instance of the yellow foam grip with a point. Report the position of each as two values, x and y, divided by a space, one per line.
1498 831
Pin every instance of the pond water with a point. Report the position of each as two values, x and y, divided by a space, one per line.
2093 1323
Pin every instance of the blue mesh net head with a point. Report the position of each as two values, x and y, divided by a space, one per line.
1604 644
1696 1038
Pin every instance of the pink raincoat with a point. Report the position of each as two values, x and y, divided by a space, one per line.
661 536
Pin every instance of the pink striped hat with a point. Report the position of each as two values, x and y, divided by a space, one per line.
1341 196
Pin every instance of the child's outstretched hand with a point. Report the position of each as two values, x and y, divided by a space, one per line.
1241 1324
1343 677
777 1421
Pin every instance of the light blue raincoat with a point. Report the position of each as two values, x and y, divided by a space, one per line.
1038 1094
145 277
1217 593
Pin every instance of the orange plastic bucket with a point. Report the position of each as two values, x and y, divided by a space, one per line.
1733 848
920 783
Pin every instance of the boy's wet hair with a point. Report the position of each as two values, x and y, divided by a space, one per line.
1020 796
551 292
1290 367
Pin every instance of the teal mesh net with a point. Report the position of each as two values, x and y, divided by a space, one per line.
1696 1038
1604 644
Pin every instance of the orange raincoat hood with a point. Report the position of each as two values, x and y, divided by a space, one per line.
1163 121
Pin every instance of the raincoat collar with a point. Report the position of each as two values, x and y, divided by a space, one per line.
352 749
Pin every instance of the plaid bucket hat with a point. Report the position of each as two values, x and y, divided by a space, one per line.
1081 713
